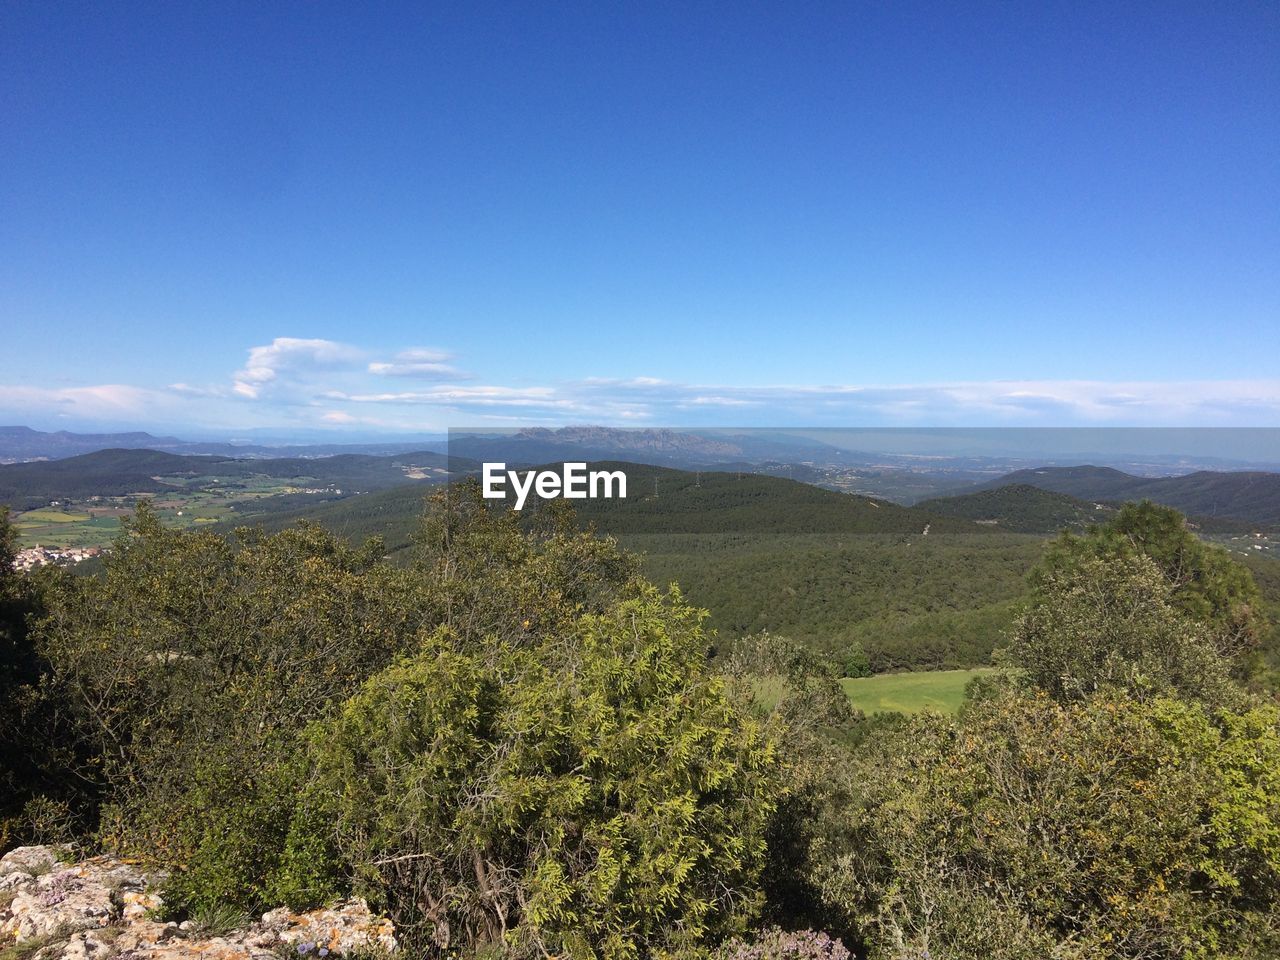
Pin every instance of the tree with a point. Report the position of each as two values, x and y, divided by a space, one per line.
798 696
594 793
1205 584
489 570
856 662
1107 829
17 671
1111 620
183 676
38 784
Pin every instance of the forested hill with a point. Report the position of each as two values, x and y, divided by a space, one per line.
831 570
1248 496
662 500
108 473
659 501
1022 508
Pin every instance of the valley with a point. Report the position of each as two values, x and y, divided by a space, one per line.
930 587
77 502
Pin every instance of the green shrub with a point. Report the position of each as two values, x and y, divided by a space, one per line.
1107 828
1205 584
187 672
177 685
856 663
238 821
40 794
593 794
309 871
798 697
1112 621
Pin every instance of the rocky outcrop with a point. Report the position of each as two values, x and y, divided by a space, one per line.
105 909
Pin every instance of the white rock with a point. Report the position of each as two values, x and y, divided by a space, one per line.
137 904
101 909
30 860
70 899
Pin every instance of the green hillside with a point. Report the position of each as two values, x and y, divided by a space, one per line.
662 500
909 602
390 514
1248 496
765 553
1022 508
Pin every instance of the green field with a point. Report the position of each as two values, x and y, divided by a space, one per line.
50 515
941 690
54 528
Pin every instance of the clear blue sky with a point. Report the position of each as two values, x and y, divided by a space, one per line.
662 213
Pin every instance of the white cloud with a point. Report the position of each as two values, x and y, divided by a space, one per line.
96 402
417 362
723 402
289 355
627 382
315 382
1030 403
471 395
191 390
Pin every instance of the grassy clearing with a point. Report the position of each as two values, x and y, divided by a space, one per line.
941 690
53 516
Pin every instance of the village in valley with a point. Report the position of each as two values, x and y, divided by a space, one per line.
38 556
67 532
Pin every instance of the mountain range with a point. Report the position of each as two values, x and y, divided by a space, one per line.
1030 499
19 444
659 447
1247 496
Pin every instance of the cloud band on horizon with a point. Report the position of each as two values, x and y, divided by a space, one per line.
297 382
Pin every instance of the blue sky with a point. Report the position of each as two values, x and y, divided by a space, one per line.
381 218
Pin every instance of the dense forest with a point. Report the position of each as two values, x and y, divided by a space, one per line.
836 572
1021 507
515 744
847 575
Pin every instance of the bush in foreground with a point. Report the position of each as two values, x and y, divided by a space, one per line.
1104 828
595 794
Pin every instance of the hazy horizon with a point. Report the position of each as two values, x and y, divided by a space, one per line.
1233 445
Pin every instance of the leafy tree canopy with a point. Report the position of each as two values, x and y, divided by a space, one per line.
1206 583
592 794
1112 620
1106 829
